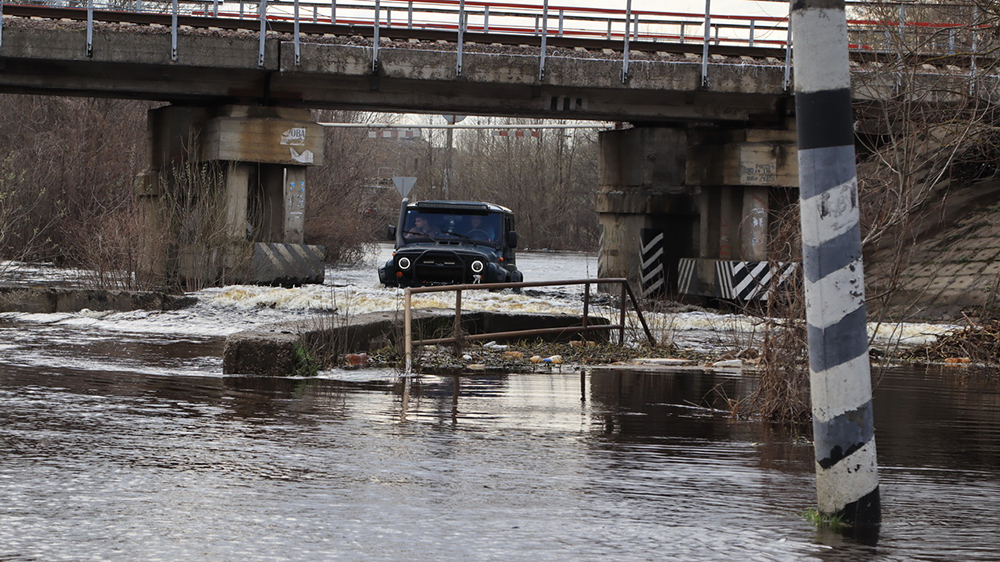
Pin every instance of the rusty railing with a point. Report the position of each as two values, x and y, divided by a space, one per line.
457 337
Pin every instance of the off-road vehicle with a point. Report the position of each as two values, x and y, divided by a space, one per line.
451 242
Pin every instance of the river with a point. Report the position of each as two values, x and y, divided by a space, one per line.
120 439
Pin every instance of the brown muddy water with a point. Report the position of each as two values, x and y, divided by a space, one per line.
137 458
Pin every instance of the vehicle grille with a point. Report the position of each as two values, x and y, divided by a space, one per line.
440 267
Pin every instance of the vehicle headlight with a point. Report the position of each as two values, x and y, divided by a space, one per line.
403 263
477 266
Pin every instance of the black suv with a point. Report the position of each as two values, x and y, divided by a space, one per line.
451 242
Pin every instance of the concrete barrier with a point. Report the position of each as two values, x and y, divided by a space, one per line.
53 299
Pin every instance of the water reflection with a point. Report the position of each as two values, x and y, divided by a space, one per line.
613 465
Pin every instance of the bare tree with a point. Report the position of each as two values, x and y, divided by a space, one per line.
929 128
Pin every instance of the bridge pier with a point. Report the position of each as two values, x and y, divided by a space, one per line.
226 186
713 193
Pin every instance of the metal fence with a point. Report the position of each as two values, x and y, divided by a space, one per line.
626 297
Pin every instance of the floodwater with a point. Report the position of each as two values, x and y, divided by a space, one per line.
120 439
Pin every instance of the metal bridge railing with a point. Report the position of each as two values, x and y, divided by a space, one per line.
542 20
938 29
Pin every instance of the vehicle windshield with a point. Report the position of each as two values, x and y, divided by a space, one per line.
479 228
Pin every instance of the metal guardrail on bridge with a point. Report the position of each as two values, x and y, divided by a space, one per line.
626 297
946 29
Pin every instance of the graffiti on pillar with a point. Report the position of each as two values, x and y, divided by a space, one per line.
304 157
758 174
758 221
296 136
297 198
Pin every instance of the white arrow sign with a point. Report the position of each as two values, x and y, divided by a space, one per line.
404 184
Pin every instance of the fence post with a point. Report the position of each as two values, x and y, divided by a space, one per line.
90 26
545 35
788 56
621 328
407 331
262 13
173 32
461 37
457 330
378 14
704 46
840 377
628 21
295 32
486 19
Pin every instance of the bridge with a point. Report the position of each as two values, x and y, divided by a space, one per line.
707 163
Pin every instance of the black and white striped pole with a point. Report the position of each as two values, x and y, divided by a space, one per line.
840 374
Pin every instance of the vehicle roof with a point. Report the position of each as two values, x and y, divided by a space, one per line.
459 206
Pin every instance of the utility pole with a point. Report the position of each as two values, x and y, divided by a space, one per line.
840 373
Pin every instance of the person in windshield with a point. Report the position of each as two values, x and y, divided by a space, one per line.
478 230
421 227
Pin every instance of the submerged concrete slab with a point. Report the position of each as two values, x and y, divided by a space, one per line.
277 350
51 299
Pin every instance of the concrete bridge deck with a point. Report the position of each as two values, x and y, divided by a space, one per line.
215 65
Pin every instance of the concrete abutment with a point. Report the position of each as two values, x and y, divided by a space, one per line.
711 195
227 186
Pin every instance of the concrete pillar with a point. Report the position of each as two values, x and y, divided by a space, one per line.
237 211
641 174
706 188
262 154
710 213
295 204
730 217
269 203
754 227
733 172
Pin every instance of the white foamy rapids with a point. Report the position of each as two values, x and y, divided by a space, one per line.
909 334
354 290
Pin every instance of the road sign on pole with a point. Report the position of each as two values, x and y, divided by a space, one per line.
404 184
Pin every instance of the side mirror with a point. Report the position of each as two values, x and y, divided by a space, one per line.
512 239
390 233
